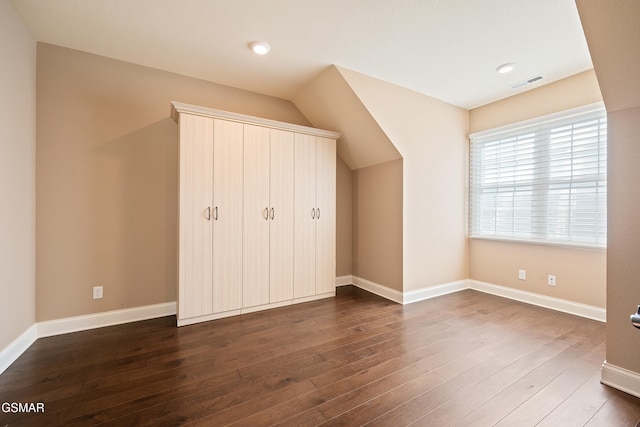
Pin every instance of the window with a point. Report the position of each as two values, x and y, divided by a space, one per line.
543 180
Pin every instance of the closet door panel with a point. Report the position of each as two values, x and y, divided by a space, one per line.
195 200
256 216
304 222
326 218
227 215
281 218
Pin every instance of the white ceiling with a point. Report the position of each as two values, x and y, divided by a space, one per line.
447 49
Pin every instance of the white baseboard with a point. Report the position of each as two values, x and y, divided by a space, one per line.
80 323
344 280
402 297
565 306
434 291
621 379
9 354
98 320
381 290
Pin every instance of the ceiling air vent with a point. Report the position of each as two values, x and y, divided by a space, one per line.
526 82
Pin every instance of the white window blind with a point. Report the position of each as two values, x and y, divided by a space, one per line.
543 181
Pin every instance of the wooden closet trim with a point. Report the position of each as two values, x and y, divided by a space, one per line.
177 108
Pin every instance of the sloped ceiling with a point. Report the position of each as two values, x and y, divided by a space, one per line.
330 103
378 120
442 49
613 35
446 49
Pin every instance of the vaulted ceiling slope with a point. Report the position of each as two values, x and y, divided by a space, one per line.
613 34
446 49
379 121
326 53
330 102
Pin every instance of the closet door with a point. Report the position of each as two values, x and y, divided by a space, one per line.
227 215
326 216
194 216
256 216
305 213
281 216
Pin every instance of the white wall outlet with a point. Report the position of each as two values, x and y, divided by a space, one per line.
97 292
522 274
551 280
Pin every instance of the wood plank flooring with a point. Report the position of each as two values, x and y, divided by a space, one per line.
464 359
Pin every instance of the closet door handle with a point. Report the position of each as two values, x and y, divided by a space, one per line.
313 213
318 215
266 213
272 213
208 213
215 213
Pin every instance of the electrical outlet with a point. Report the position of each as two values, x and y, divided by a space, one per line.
551 280
97 292
522 274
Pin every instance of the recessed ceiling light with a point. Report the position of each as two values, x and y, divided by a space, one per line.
506 68
260 48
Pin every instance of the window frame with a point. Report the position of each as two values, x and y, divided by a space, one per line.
538 232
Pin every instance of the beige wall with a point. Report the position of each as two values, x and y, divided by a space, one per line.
17 176
344 215
107 177
581 273
377 224
575 91
623 279
612 30
432 138
330 103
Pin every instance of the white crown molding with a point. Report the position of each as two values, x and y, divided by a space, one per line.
620 378
178 107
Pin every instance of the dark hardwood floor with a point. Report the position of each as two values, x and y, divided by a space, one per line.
464 359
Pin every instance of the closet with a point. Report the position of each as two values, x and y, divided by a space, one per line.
256 213
315 205
268 216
